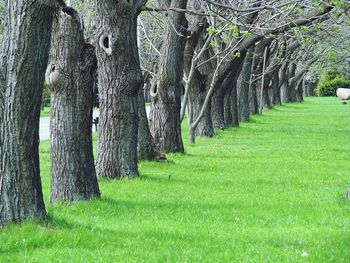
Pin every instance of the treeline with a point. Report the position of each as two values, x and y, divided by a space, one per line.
213 62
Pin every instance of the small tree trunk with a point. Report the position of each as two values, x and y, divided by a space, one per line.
266 99
267 104
25 53
205 126
299 92
309 88
217 108
192 135
119 78
271 95
70 76
292 88
201 77
243 85
234 107
197 96
253 99
166 101
146 147
228 110
284 86
226 89
275 88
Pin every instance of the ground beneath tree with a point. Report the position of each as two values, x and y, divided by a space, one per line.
271 191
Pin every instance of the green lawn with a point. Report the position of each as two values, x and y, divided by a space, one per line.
271 191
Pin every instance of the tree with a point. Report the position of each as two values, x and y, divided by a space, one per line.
24 58
119 78
70 76
199 71
146 146
243 85
166 94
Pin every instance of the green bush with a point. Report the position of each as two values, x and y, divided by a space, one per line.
331 80
46 96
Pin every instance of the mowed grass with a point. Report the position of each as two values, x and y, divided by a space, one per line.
272 190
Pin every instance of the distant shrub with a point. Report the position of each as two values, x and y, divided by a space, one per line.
46 96
331 80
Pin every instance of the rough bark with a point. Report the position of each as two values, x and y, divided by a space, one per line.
202 76
70 76
283 76
198 92
146 147
299 91
217 108
260 57
228 109
253 99
267 103
234 107
166 94
292 87
225 89
230 88
119 78
24 58
243 85
275 87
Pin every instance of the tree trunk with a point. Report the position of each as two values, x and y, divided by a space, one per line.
261 53
146 147
309 88
276 88
230 89
266 99
284 90
197 95
292 88
217 108
243 84
25 53
299 91
70 76
166 99
253 99
271 95
267 104
228 109
201 79
119 78
234 107
226 89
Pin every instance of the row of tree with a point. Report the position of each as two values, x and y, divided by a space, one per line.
217 62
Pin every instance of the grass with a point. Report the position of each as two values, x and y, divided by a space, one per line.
271 191
46 112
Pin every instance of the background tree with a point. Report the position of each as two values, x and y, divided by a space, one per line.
166 93
70 76
119 78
